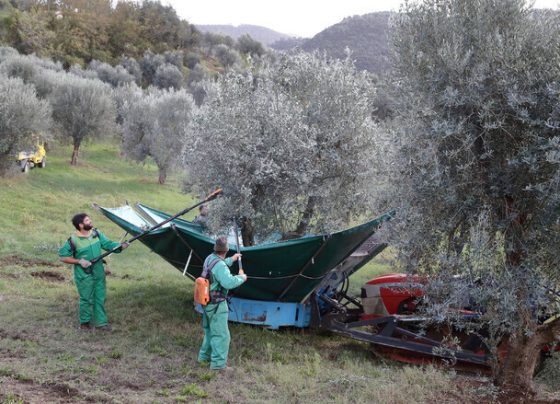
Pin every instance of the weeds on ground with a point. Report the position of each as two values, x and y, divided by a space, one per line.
192 389
11 398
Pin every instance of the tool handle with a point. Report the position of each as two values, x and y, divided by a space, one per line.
237 244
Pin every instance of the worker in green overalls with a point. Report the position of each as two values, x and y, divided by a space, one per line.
82 247
215 345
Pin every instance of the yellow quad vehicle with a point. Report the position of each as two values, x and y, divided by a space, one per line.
29 159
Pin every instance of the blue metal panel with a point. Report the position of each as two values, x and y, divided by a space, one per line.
272 315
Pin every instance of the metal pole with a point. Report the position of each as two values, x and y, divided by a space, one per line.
187 264
237 244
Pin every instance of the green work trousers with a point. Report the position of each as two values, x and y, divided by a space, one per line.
215 345
92 292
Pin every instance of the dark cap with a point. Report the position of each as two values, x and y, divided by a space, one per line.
221 244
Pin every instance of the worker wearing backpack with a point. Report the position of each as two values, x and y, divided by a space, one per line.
215 345
79 249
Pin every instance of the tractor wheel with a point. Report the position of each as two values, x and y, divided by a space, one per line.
43 163
24 166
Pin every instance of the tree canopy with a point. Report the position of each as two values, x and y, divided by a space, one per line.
290 144
154 125
82 108
475 166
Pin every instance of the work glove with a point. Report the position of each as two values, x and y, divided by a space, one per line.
124 245
243 276
84 263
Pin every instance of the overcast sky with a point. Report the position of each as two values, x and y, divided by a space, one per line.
303 18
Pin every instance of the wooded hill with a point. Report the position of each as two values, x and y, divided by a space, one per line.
137 38
79 31
264 35
366 36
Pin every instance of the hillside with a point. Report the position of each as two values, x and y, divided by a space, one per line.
365 36
264 35
76 32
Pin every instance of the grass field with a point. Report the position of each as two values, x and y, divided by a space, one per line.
151 354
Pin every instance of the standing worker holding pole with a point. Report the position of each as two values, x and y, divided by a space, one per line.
215 345
81 249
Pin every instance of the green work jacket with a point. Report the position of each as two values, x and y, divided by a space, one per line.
221 275
87 247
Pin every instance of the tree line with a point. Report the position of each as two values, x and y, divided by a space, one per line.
76 32
79 31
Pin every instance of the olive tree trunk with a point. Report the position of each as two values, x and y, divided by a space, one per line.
162 176
516 370
247 232
75 153
306 216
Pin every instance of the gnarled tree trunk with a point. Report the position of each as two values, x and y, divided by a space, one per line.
516 371
518 368
306 217
247 232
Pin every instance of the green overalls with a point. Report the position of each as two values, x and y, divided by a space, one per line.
215 345
91 287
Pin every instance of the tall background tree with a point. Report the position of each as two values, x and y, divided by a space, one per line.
476 152
154 125
290 143
82 109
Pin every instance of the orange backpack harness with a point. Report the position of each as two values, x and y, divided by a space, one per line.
202 293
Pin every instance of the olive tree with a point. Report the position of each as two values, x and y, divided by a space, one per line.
191 59
168 76
154 126
26 67
247 45
290 144
195 83
6 51
45 81
21 115
21 66
44 74
474 164
173 111
149 65
174 58
125 97
77 70
136 111
133 68
228 57
82 109
115 76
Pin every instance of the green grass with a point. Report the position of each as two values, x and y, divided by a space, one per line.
151 355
